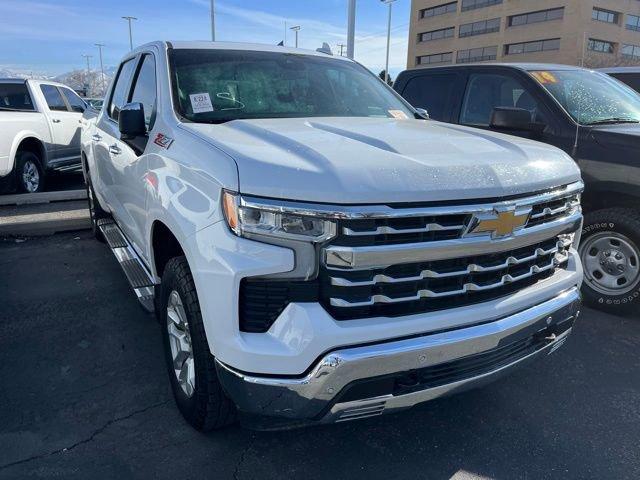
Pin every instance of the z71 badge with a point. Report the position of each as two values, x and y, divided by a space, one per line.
163 141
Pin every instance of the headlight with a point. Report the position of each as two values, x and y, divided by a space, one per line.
274 221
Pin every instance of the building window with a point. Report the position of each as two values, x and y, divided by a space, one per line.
536 17
478 28
531 47
434 59
601 46
436 34
633 23
481 54
604 15
631 51
473 4
451 7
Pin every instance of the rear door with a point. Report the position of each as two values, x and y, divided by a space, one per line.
437 92
65 125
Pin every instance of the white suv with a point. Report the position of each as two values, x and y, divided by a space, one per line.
314 249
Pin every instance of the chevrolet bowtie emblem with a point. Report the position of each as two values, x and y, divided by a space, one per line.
500 224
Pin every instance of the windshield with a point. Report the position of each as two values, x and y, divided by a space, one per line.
591 98
214 86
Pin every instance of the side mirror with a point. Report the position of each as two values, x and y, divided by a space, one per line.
515 119
131 121
423 113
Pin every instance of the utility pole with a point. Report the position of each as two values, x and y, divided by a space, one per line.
386 68
213 21
86 83
341 47
296 29
351 28
128 19
100 45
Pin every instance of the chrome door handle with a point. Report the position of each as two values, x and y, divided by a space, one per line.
55 120
96 138
115 149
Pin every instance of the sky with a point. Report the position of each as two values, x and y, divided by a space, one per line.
50 36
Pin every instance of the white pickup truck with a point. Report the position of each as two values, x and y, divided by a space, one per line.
39 131
314 248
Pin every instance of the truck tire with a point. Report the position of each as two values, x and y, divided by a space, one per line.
192 370
29 172
95 211
610 254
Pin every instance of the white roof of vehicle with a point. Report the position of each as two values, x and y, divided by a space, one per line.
256 47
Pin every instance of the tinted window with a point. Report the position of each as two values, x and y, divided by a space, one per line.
15 96
121 90
431 92
53 98
488 91
631 79
144 90
77 104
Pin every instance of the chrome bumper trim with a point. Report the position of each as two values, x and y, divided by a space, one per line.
310 397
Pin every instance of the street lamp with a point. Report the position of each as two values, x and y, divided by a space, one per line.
296 29
128 19
100 45
213 21
86 83
351 28
386 68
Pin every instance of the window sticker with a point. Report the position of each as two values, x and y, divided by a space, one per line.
201 102
399 114
544 77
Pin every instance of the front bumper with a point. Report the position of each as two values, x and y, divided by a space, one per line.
369 380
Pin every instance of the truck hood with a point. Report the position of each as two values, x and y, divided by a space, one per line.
625 136
377 160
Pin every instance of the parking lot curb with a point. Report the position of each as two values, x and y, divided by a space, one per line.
44 197
44 219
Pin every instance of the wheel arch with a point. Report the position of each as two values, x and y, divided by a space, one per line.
610 195
164 245
29 141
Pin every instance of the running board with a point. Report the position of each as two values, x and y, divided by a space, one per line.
137 275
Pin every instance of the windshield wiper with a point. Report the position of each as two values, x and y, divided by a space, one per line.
613 120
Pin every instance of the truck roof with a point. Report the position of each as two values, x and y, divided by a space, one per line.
620 70
208 45
519 66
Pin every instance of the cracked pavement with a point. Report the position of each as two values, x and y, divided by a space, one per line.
84 394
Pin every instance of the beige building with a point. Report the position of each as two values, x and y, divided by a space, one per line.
445 31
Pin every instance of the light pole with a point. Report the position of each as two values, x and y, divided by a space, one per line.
296 29
86 83
100 45
351 28
213 21
386 68
128 19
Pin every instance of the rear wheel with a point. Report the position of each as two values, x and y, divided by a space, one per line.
191 366
29 173
610 254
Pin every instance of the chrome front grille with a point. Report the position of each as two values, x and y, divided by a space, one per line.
434 258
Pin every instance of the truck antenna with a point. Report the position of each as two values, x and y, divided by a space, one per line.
575 143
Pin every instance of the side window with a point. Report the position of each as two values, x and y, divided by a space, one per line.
144 90
77 104
15 96
431 92
53 98
121 88
488 91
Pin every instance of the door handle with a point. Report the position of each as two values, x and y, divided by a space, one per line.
96 138
115 149
55 120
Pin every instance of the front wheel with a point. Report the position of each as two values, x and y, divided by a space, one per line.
192 369
29 173
610 254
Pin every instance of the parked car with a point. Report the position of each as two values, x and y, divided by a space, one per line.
587 114
39 131
627 75
95 103
315 250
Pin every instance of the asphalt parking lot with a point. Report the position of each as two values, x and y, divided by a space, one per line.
84 394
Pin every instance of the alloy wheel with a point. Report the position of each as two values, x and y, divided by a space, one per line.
30 176
180 344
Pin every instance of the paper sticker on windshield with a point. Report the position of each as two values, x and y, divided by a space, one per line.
544 77
399 114
201 102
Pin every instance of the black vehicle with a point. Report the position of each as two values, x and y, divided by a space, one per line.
589 115
627 75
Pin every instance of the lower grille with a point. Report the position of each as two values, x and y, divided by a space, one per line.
429 286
